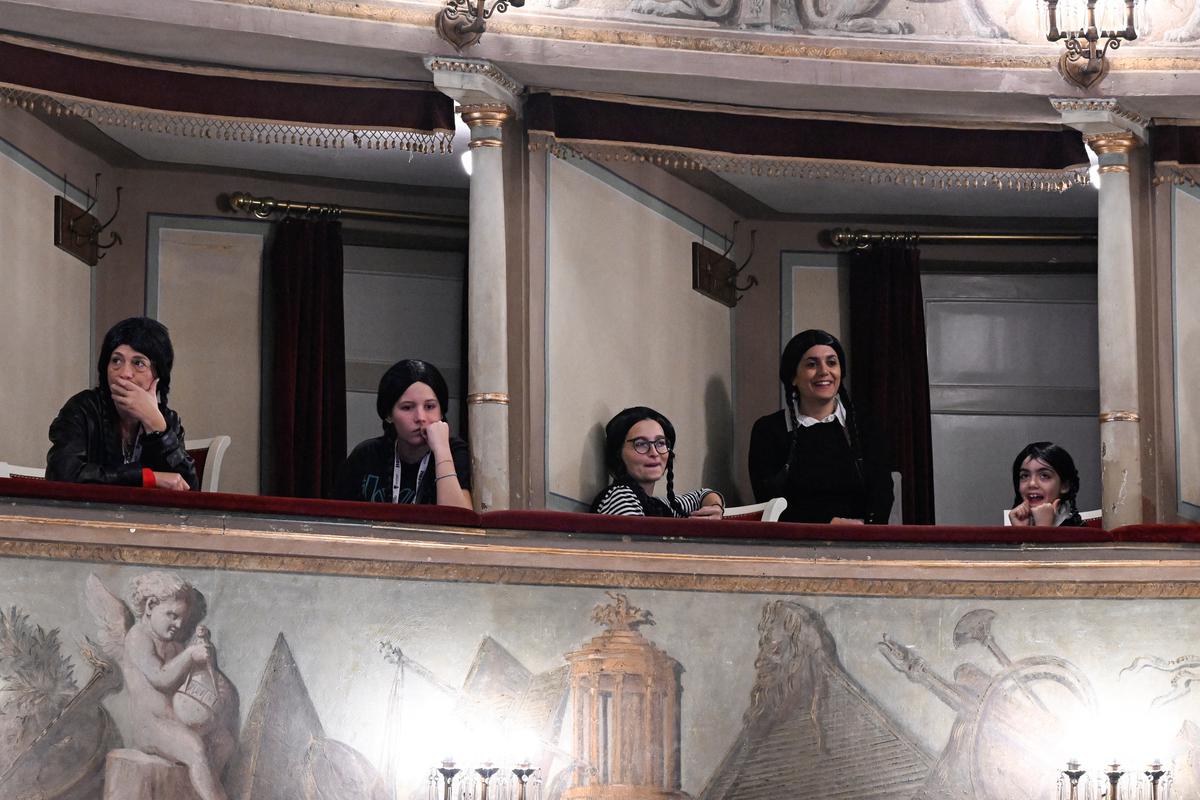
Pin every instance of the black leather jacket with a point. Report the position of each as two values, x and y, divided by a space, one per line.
85 445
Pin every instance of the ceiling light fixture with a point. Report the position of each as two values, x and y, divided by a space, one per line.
1084 63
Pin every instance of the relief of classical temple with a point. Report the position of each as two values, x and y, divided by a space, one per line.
626 709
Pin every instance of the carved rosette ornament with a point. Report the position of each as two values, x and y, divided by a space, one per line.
625 700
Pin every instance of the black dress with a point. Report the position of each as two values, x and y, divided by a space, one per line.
818 472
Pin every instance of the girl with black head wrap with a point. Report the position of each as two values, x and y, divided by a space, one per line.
416 460
122 432
813 451
639 449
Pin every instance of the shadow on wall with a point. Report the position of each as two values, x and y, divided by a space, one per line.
592 475
719 457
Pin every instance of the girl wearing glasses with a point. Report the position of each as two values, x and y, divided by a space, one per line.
639 449
812 452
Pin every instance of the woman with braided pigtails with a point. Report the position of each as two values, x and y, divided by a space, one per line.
814 452
639 450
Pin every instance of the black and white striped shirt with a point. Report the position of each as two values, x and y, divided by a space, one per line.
622 499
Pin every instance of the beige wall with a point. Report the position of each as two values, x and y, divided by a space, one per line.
208 296
623 328
45 308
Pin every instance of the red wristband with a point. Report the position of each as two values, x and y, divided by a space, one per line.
148 481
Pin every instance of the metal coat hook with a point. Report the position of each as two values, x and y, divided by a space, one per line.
78 232
82 232
751 280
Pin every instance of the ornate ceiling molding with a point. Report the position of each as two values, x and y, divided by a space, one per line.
584 30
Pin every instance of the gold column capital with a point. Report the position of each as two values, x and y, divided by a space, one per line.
1119 142
485 115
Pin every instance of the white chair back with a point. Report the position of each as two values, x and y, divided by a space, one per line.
896 515
766 512
13 471
216 446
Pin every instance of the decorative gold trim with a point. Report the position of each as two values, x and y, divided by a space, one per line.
478 398
558 576
764 44
1120 416
472 67
239 129
1107 168
1049 180
485 142
1105 144
490 115
1175 174
1106 105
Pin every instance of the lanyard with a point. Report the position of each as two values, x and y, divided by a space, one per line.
416 486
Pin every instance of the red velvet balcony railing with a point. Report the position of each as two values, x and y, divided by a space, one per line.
18 489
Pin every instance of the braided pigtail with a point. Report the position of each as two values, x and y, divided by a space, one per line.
852 431
671 499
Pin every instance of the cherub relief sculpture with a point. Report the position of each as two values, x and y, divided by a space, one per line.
181 707
814 16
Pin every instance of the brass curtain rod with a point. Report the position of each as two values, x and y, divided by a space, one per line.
844 237
263 207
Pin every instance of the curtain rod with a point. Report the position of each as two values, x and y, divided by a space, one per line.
844 237
263 207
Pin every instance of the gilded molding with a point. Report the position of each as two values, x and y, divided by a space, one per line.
558 576
199 126
485 142
486 115
1106 105
1107 168
471 67
513 557
767 45
1120 416
1121 143
933 178
1174 174
479 398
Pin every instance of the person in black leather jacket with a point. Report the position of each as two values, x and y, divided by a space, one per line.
122 431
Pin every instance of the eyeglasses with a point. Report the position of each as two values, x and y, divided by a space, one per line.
642 446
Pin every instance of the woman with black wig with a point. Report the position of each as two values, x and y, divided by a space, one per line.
1045 483
416 460
813 452
639 449
122 431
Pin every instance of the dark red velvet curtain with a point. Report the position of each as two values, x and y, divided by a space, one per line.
304 411
889 369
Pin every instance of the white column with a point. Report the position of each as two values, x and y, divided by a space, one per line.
487 308
1120 420
487 98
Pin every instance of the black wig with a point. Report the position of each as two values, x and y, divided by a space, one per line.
147 336
398 378
1058 458
793 352
614 441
